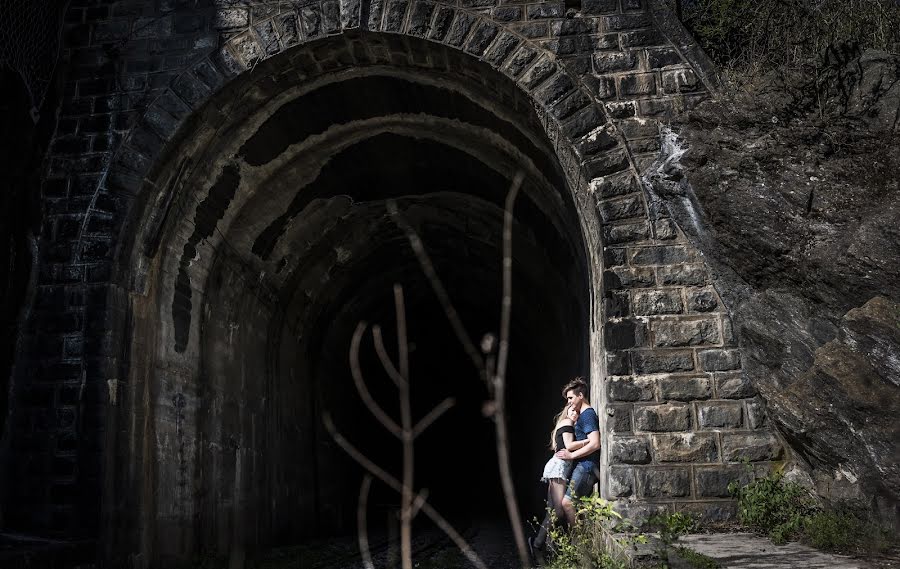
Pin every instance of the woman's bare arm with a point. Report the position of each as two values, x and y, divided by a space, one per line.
571 443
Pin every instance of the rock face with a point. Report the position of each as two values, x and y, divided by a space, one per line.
794 198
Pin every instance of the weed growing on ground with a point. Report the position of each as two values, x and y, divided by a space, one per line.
784 510
839 530
773 506
670 528
592 542
697 560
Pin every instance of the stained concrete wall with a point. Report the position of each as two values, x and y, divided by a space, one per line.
678 414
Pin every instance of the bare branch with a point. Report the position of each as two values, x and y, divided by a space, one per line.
402 346
392 482
406 494
432 415
437 286
360 383
420 499
499 380
384 357
506 306
361 526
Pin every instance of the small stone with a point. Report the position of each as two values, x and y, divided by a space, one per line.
756 413
713 482
720 360
703 300
618 363
627 207
621 277
614 185
752 446
722 415
638 84
604 164
625 334
553 90
664 482
630 450
674 333
654 302
666 255
481 38
728 338
621 481
612 62
627 232
545 10
618 418
582 123
691 275
231 19
665 229
685 447
685 388
616 304
629 389
734 386
663 57
666 417
659 361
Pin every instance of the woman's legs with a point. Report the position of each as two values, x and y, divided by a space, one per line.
555 493
556 489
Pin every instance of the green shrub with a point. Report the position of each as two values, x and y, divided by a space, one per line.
840 530
785 510
670 528
697 560
591 543
766 34
772 506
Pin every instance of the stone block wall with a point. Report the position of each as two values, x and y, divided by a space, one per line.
680 417
683 419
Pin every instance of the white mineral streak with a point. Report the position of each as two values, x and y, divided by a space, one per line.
846 473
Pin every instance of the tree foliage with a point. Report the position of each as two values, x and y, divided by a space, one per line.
750 36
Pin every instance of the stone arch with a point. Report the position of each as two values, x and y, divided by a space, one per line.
601 79
239 165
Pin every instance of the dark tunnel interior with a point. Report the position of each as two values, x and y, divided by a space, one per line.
314 251
455 202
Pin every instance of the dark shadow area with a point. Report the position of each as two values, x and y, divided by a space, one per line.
455 203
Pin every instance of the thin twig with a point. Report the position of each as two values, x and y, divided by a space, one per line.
506 306
356 371
432 415
406 498
361 526
428 268
500 378
394 484
420 499
386 362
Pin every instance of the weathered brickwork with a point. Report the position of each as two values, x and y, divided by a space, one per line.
679 415
681 411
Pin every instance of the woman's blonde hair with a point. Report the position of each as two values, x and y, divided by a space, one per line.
556 419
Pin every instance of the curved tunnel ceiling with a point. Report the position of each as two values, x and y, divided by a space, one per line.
318 161
291 245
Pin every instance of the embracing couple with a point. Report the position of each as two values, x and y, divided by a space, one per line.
572 471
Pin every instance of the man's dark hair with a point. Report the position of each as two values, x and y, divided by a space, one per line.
579 386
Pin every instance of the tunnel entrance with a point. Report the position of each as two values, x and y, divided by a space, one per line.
278 242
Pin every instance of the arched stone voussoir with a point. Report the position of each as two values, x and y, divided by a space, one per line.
535 68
